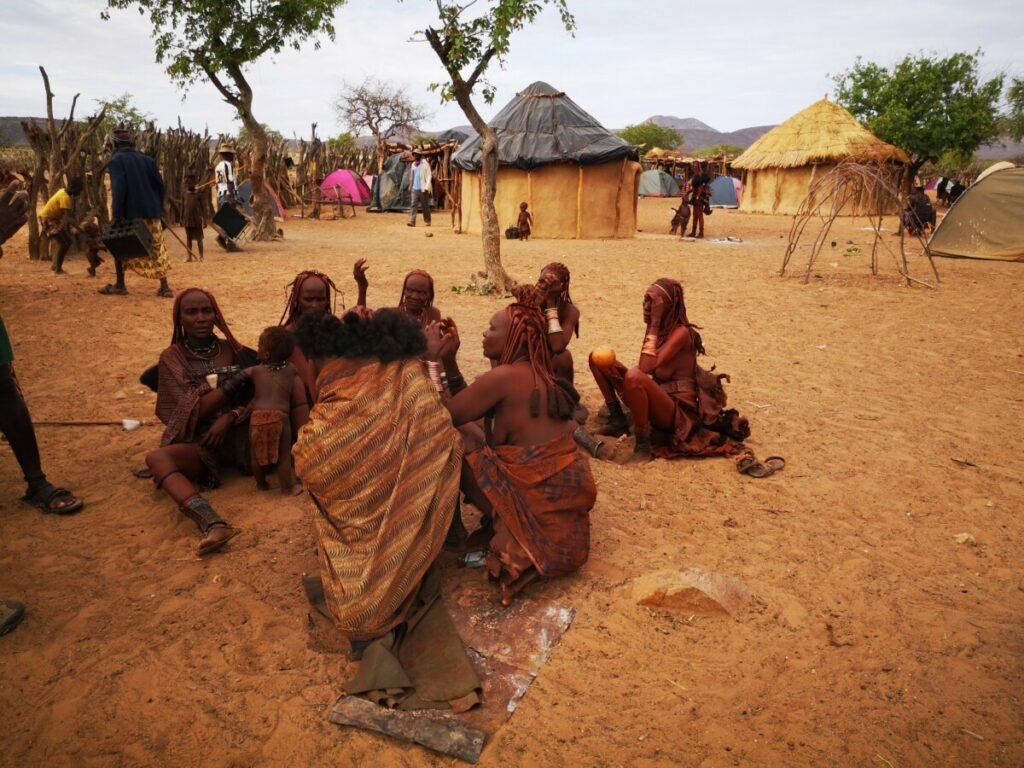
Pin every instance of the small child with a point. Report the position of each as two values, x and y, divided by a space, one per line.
93 245
279 395
194 216
525 222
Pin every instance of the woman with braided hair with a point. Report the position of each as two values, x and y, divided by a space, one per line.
417 299
310 291
530 482
671 397
562 317
200 401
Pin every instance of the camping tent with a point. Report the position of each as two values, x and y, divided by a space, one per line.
724 192
578 178
1000 166
244 196
349 184
780 167
655 183
986 222
391 187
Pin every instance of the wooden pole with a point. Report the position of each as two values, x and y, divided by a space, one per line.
618 196
579 206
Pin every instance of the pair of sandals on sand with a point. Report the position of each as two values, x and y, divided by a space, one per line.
747 464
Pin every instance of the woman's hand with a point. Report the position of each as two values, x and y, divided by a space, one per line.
215 434
548 296
450 341
434 333
359 273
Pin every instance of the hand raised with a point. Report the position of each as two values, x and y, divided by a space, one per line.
13 210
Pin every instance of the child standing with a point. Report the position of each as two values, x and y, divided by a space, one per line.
279 410
93 245
525 224
194 216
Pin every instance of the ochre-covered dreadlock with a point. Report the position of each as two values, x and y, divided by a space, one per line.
178 336
562 273
527 339
675 311
292 311
417 273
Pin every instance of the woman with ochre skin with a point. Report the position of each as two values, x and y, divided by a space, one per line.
310 291
417 299
204 422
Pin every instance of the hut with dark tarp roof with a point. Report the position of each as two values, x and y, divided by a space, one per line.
579 178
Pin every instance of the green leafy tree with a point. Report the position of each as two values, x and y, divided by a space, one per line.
719 149
218 40
468 38
342 143
270 133
927 105
1013 121
652 136
122 110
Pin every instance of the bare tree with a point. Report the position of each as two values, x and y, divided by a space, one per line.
382 109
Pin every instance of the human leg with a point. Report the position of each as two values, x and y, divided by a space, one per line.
414 200
176 468
285 475
609 381
258 472
650 406
64 245
561 365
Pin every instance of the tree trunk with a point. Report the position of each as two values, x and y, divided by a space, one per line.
381 154
490 232
910 173
263 226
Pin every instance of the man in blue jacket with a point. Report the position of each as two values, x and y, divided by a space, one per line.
137 192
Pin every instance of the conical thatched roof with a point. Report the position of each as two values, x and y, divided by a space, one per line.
824 132
542 125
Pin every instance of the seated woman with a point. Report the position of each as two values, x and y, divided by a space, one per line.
200 383
529 481
381 462
562 315
670 396
417 299
310 291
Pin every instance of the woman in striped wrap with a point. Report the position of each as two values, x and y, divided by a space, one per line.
381 461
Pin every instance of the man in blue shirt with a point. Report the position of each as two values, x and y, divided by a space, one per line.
421 188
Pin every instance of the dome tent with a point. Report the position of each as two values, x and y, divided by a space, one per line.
986 221
655 183
578 178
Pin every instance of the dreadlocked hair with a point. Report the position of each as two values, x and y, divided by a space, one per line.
292 311
675 311
417 273
562 273
178 335
527 337
386 334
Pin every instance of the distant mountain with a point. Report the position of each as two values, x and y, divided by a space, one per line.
698 134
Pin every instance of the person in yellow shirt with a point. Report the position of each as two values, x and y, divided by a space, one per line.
57 218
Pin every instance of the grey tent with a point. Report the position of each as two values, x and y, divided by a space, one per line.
577 177
655 183
391 187
723 193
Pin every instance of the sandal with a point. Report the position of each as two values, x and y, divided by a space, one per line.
143 473
113 290
747 464
775 463
49 498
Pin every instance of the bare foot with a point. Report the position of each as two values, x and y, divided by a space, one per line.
641 457
216 537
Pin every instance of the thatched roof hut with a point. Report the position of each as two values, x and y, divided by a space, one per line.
780 167
578 178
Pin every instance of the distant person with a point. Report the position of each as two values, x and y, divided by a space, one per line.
918 214
682 214
279 409
525 223
93 244
224 173
420 181
193 216
700 193
57 218
137 193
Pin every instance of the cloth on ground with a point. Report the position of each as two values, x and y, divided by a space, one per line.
542 496
265 435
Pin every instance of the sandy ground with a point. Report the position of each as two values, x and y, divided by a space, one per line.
876 638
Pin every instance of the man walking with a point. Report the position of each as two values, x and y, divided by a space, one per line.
137 192
421 188
57 219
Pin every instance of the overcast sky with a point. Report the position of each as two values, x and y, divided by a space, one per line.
744 63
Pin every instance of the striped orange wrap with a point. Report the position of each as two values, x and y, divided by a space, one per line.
381 460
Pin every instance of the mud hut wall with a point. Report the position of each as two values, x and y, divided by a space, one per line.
782 190
551 191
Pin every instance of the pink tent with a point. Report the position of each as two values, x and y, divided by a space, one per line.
348 184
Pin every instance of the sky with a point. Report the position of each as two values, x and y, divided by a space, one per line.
744 63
